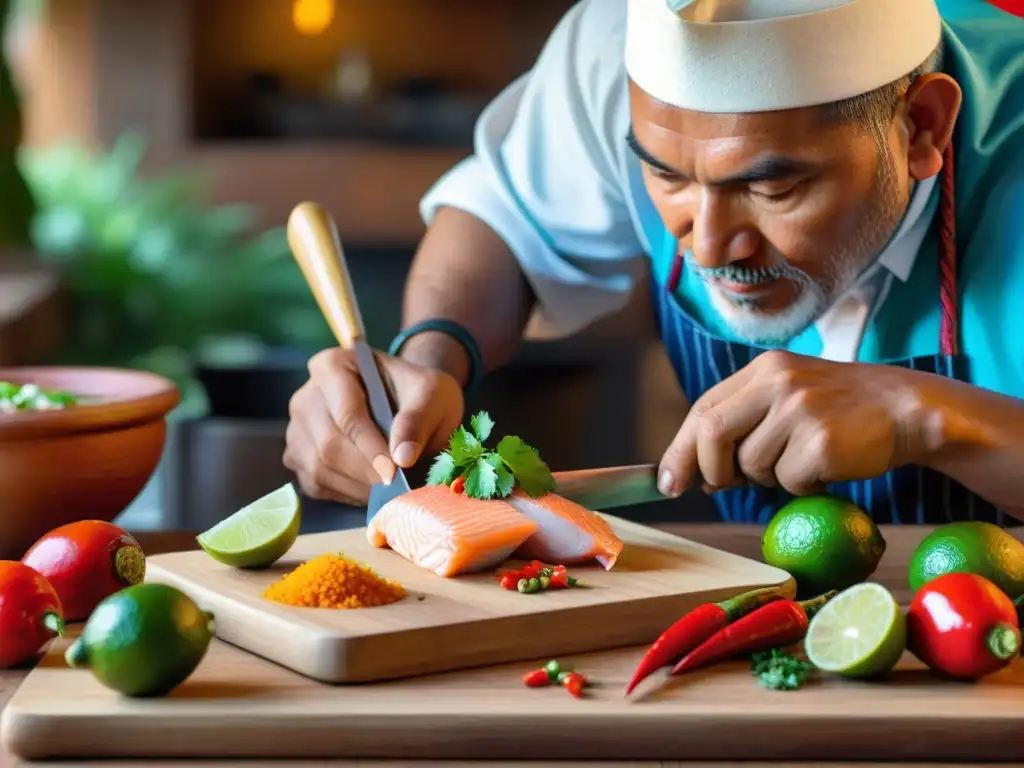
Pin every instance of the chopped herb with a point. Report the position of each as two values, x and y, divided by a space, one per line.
490 473
778 670
31 397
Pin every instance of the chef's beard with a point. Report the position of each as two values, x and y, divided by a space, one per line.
747 321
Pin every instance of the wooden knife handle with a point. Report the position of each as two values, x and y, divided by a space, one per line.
313 239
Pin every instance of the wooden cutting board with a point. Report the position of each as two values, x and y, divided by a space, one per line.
237 705
466 621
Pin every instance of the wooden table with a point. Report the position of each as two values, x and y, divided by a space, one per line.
739 539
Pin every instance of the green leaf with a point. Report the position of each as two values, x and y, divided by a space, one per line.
506 480
778 670
532 474
464 447
442 471
482 480
482 425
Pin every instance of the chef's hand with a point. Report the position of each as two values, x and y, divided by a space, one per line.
333 444
800 422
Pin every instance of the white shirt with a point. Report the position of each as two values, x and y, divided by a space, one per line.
550 175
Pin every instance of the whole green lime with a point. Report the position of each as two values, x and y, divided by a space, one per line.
824 542
143 641
972 547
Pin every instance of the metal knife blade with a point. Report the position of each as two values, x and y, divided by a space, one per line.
610 487
383 415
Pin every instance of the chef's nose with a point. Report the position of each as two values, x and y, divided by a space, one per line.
719 233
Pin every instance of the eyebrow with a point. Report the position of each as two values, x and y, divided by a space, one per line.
764 168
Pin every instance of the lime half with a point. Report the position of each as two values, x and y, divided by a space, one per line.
258 535
861 632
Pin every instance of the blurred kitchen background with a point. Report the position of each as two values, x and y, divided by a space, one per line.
162 145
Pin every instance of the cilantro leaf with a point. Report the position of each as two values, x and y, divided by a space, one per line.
532 474
464 447
442 471
506 481
482 425
490 473
481 480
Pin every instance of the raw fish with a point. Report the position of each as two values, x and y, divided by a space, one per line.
567 532
449 533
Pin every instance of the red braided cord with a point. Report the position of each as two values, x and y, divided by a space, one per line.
675 274
950 330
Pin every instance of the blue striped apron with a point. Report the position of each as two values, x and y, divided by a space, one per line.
907 495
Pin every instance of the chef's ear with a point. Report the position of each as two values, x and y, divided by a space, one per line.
932 104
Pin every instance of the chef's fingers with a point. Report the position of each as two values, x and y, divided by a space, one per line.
336 374
412 426
429 407
313 434
704 449
317 480
722 428
761 450
804 460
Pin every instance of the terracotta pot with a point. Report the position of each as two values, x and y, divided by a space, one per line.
89 461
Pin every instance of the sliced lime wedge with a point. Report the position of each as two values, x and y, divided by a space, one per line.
861 632
258 535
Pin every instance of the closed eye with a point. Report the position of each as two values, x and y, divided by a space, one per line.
775 194
664 175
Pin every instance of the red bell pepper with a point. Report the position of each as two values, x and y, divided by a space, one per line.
775 625
696 627
87 561
30 613
963 626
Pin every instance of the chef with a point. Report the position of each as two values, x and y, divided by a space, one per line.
829 198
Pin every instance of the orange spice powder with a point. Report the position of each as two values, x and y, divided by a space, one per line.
334 581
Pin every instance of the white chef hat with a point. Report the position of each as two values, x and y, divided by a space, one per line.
761 55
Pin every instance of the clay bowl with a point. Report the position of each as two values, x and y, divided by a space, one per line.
88 461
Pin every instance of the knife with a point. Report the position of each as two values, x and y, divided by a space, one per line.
610 487
316 246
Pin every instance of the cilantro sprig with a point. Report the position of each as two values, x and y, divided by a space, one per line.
490 474
778 670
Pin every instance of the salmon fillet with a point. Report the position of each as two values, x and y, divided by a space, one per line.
567 532
449 533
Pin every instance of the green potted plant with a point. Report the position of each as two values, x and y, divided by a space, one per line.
155 278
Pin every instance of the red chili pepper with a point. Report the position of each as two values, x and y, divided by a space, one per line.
537 678
774 625
30 613
552 576
86 562
559 578
532 570
963 626
458 484
696 627
574 682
